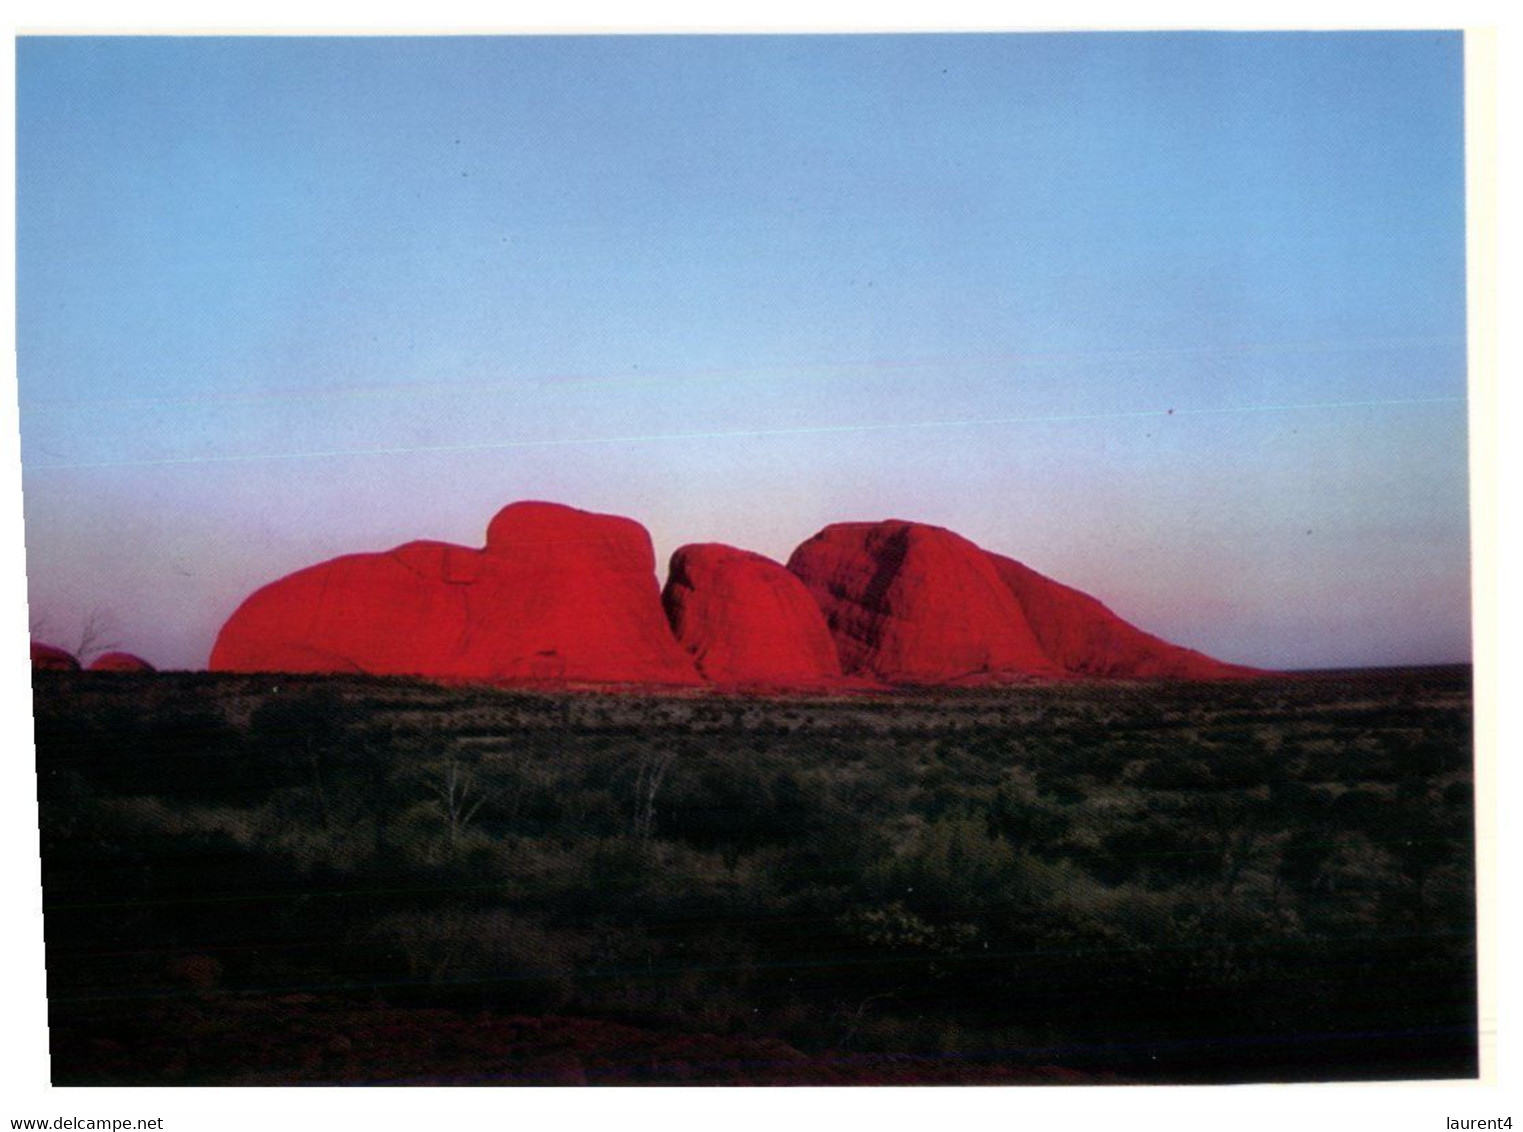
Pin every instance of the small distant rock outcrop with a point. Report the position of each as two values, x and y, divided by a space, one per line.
557 595
119 662
746 620
563 597
50 658
910 603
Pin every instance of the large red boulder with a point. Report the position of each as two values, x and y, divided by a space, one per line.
910 603
746 620
557 595
50 658
1086 638
120 662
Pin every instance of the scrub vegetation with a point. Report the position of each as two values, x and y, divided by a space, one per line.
257 879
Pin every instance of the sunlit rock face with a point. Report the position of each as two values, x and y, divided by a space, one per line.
1087 639
557 595
910 603
746 620
564 597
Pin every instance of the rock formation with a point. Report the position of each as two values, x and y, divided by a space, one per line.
910 603
746 620
52 659
1086 638
557 595
560 596
119 662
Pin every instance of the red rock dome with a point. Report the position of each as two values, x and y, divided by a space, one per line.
52 659
120 662
557 595
1086 638
747 620
565 596
910 603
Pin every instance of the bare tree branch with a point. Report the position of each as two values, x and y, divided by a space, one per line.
96 635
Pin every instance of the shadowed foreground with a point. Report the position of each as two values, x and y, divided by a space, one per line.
328 879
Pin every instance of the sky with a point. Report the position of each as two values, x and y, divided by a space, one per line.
1178 319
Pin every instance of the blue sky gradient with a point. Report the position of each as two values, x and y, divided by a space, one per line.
1176 318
